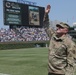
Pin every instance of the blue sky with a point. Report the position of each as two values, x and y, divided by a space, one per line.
61 10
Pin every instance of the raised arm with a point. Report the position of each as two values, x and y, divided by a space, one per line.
46 16
49 31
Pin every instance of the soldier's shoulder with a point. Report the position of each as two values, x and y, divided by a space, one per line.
69 40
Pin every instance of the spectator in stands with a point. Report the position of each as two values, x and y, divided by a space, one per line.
23 34
62 50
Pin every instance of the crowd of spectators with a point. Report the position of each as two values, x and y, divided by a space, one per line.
23 34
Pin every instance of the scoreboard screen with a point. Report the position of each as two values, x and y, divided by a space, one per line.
22 14
34 15
12 13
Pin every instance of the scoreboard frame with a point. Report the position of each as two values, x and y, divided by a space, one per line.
22 14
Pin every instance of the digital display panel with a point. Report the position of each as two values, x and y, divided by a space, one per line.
34 16
22 14
12 13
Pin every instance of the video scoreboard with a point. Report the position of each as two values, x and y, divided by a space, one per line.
22 14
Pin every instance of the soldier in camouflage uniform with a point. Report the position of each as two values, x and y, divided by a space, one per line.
61 49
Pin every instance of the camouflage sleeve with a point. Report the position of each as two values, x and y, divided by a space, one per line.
46 23
46 20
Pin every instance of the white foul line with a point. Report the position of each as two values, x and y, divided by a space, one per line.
4 74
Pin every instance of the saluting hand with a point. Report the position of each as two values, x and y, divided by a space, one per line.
47 10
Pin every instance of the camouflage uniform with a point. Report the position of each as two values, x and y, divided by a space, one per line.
61 52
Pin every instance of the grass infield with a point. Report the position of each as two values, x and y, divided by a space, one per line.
29 61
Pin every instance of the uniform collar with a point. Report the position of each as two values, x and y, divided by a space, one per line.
59 38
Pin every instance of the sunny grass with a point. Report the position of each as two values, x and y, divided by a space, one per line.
30 61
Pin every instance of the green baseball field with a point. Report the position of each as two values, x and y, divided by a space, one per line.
28 61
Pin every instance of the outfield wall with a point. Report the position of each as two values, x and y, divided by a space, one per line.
18 45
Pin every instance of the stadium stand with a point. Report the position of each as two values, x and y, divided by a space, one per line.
23 34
